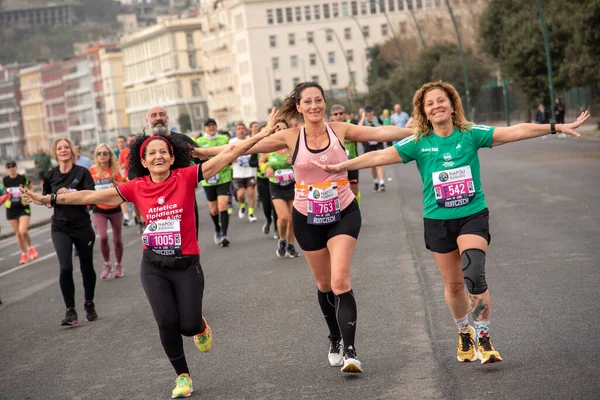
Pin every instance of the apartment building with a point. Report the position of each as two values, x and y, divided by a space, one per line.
32 109
256 51
12 141
162 65
61 14
111 65
53 93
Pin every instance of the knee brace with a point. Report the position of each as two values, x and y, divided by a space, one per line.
473 268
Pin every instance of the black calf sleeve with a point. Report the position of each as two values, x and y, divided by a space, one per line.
224 221
215 219
327 303
345 306
473 268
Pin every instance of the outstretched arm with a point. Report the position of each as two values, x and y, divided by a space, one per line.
231 152
110 197
367 160
528 131
388 133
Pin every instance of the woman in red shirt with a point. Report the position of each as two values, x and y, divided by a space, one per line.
170 271
106 173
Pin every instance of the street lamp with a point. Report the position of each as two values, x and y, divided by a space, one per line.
350 77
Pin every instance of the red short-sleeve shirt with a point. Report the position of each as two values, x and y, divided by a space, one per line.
167 207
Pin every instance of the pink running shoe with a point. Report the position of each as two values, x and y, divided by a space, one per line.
118 271
106 272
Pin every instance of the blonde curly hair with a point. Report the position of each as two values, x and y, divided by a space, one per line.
422 126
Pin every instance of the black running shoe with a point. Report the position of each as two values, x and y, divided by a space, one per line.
382 187
376 186
70 318
291 252
90 311
266 228
281 245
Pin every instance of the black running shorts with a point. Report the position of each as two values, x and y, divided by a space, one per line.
315 237
279 192
16 213
441 235
212 192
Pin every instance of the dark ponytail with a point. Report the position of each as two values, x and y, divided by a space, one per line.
288 110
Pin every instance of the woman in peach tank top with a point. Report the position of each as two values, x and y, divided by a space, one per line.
325 216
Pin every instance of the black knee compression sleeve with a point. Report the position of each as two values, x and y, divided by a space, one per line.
473 268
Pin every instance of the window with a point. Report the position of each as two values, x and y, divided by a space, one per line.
331 57
326 11
312 59
373 6
409 4
195 87
345 11
278 85
363 8
298 14
310 37
350 55
365 31
294 61
335 9
270 17
384 29
334 79
192 59
275 63
402 27
291 39
288 15
272 41
352 76
400 5
354 8
307 13
348 33
317 11
329 35
419 3
428 3
189 38
296 82
239 22
391 5
314 78
279 16
438 3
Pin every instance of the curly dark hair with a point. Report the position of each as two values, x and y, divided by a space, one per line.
288 110
182 152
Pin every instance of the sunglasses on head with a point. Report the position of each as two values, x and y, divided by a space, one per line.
102 153
11 165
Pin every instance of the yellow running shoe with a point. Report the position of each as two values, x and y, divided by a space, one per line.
203 340
183 387
487 353
466 346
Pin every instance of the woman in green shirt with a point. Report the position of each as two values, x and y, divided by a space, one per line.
456 217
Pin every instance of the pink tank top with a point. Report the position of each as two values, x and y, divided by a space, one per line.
307 174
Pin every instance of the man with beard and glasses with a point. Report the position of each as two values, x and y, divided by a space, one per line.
157 122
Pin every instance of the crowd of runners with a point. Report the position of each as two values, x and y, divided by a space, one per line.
302 167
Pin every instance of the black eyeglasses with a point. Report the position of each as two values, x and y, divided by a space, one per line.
102 153
11 165
336 114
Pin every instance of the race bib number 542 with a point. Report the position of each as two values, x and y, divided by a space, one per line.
453 187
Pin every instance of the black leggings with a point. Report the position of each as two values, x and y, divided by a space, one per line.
83 238
175 296
265 199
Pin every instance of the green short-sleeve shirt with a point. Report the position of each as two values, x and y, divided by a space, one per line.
449 168
226 174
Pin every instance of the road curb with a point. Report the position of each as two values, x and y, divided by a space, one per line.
37 224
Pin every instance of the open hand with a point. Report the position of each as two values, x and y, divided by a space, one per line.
569 129
32 197
272 121
329 168
62 191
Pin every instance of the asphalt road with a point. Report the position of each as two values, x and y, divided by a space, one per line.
270 339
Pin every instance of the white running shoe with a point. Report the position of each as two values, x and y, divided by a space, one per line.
351 363
251 218
336 356
241 212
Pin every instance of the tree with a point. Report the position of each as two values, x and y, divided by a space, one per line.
184 122
512 35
